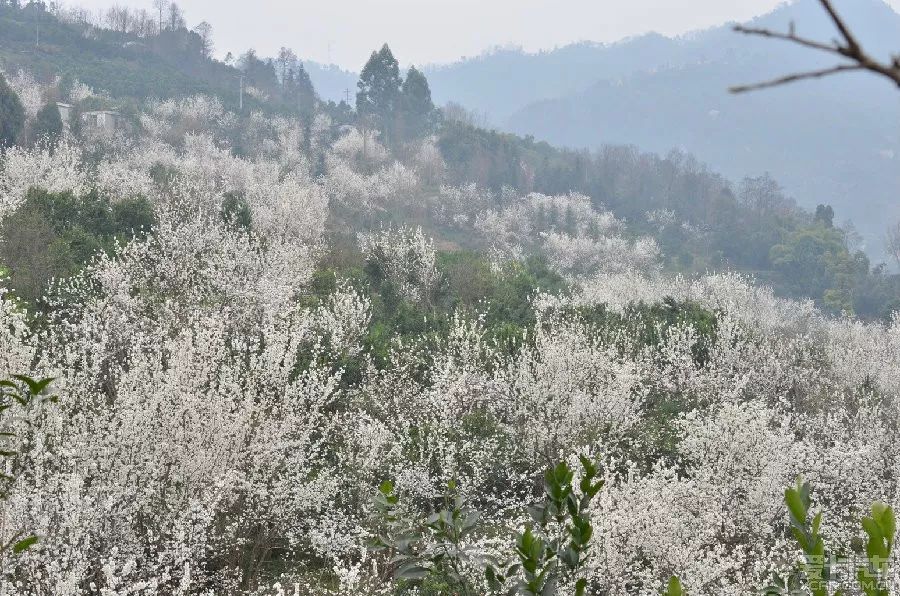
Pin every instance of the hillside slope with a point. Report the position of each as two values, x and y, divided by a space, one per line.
170 64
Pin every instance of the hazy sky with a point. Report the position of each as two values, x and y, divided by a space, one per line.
345 32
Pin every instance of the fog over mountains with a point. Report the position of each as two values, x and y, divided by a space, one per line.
834 141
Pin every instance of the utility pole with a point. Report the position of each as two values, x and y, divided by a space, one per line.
347 95
241 101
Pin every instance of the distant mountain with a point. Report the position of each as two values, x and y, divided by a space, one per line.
834 141
502 81
498 83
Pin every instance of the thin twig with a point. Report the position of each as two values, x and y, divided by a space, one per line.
813 74
850 49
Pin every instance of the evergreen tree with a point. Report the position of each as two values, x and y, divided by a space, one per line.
299 90
259 73
12 114
825 215
378 94
48 125
204 31
286 60
416 102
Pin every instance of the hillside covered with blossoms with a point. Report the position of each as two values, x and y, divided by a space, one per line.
301 348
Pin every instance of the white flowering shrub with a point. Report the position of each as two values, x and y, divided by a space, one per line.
661 218
79 92
191 391
171 120
576 239
567 390
429 163
458 206
364 185
256 93
583 255
59 170
360 148
30 91
121 178
405 257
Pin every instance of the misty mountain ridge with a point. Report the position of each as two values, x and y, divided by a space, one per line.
831 141
502 80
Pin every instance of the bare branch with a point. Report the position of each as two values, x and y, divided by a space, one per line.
801 76
839 23
790 36
850 49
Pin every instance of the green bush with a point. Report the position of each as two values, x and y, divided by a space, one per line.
52 235
432 554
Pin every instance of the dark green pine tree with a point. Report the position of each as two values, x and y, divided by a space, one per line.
259 73
299 90
825 215
378 94
48 125
12 115
418 109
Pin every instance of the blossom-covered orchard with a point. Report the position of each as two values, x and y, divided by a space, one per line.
223 423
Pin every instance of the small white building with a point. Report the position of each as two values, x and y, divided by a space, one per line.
106 120
65 112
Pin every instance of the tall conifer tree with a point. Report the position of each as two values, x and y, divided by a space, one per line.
12 114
